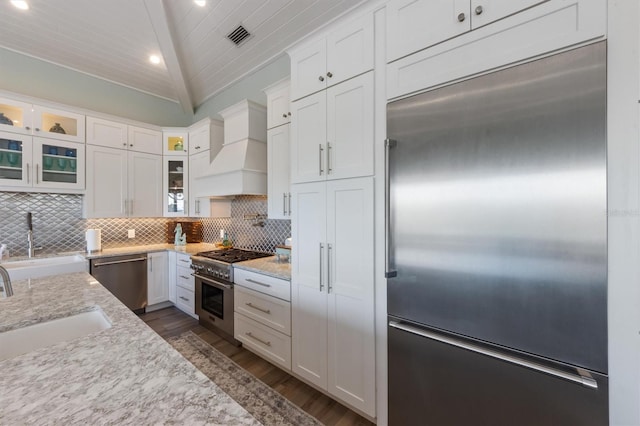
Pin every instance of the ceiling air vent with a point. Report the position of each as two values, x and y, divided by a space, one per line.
238 35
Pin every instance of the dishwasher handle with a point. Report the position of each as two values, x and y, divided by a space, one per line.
115 262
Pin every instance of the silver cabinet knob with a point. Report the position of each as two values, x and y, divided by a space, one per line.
131 145
27 128
124 144
461 17
321 78
289 114
37 129
329 74
284 115
479 10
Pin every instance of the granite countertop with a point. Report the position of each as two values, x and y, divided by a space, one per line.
126 374
190 249
267 266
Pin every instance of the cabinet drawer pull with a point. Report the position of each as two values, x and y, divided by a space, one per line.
320 149
329 74
182 276
321 78
184 298
329 287
264 342
28 173
320 263
37 173
257 308
328 158
289 204
258 282
461 17
479 10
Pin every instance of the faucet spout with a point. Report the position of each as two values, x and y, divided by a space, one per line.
6 288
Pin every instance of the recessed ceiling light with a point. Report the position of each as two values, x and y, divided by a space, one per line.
20 4
154 59
201 3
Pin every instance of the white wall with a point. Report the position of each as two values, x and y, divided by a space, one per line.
623 154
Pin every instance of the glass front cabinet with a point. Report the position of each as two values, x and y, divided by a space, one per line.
36 120
176 179
175 142
30 162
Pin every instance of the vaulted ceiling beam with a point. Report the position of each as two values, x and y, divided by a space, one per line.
158 15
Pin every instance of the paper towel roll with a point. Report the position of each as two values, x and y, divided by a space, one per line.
94 240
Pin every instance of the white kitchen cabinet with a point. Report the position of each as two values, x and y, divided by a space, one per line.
37 120
505 32
119 135
175 141
122 183
279 171
185 285
262 315
175 186
144 140
157 279
333 333
413 25
278 103
332 132
345 52
33 163
172 269
206 135
198 166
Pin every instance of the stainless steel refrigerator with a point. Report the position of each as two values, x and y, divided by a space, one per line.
497 247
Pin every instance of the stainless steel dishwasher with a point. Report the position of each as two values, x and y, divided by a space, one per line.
125 277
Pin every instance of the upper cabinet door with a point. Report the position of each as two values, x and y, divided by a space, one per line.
58 164
308 69
175 142
350 126
145 184
413 25
106 133
15 160
58 124
309 139
350 50
145 140
278 104
278 167
487 11
106 182
15 116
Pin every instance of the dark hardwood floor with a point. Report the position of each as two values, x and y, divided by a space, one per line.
171 322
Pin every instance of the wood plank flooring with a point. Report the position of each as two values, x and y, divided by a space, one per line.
171 322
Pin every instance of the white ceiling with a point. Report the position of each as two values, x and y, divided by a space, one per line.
112 39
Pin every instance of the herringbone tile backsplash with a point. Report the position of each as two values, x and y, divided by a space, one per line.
58 225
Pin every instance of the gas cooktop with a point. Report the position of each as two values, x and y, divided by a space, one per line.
232 255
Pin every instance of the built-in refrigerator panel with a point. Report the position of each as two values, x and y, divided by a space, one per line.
498 227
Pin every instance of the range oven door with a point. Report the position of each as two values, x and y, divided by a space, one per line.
214 303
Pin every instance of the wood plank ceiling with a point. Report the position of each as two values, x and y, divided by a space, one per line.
113 39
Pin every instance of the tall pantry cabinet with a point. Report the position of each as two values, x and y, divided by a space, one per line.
332 219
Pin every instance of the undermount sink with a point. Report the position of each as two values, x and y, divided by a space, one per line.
26 339
40 267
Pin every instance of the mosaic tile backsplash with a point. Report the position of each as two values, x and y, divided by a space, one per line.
58 225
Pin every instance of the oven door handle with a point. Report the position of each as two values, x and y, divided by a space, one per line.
213 282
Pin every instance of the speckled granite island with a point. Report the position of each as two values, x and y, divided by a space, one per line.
126 374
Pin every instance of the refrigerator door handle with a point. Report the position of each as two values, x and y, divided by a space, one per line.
576 378
388 268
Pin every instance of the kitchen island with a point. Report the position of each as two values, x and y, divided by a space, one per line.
126 374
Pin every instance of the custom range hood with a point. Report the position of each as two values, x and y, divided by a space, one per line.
240 167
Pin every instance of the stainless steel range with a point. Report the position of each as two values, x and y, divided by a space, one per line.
213 272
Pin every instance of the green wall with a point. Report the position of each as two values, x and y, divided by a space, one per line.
33 77
250 87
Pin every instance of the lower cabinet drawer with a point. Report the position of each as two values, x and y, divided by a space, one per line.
272 286
268 343
267 310
184 278
186 300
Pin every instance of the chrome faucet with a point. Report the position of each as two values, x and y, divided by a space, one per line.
30 247
6 282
